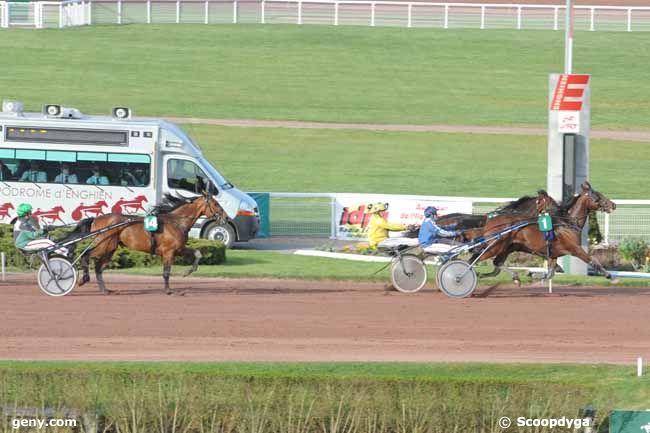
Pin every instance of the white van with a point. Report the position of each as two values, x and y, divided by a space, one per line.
69 166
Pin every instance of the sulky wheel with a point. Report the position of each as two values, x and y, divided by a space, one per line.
408 273
60 279
457 279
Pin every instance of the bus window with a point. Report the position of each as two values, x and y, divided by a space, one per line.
186 175
70 167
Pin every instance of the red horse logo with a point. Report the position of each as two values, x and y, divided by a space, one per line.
86 211
4 210
49 216
129 206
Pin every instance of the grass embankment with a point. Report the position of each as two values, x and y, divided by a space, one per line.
350 397
324 73
259 264
312 160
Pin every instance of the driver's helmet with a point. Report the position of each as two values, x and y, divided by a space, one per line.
377 207
430 211
24 209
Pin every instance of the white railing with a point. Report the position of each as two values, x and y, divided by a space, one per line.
371 13
315 214
45 14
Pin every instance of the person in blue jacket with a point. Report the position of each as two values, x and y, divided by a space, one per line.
431 233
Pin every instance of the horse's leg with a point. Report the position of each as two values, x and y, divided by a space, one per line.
577 251
190 253
85 265
168 260
552 263
100 262
499 262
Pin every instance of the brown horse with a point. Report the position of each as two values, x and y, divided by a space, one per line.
569 222
175 219
524 209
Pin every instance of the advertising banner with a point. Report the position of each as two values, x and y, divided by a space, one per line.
352 217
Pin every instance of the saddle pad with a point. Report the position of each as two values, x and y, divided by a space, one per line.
151 223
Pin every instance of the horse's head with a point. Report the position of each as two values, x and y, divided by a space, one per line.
210 207
596 200
545 203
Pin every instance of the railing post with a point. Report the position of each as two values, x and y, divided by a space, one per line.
446 21
234 12
336 13
333 217
90 13
206 12
60 15
629 19
591 24
299 12
148 11
372 14
178 11
606 229
263 13
119 11
35 6
409 22
555 14
518 17
482 17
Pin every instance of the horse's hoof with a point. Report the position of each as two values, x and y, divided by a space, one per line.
84 280
107 291
517 283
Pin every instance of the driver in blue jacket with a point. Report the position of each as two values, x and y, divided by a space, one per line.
431 233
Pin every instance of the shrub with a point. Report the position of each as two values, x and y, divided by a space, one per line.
635 250
213 252
594 234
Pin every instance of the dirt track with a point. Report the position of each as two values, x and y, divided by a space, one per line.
292 320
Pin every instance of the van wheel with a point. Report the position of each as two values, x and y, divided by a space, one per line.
221 232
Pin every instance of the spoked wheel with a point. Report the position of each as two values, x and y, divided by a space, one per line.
457 279
60 279
408 273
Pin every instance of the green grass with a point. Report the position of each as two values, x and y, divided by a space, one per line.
333 397
261 264
323 73
316 160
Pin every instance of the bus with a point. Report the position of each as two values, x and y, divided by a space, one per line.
70 166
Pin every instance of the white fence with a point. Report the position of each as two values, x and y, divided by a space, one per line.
371 13
314 214
45 14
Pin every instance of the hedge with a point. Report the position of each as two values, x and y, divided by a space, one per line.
213 252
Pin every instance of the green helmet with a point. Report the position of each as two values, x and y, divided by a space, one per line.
24 209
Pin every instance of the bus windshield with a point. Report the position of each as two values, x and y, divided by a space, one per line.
215 175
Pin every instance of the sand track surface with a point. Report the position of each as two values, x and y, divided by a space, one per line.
280 320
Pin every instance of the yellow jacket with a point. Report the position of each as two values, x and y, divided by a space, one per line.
378 229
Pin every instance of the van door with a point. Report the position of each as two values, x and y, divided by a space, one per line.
185 178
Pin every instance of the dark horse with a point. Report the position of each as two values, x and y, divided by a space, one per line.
569 220
175 219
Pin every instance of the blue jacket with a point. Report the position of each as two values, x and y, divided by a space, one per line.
430 232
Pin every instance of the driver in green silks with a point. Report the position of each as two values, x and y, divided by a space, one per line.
28 235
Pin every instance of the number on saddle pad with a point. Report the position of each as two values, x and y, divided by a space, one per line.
544 222
151 223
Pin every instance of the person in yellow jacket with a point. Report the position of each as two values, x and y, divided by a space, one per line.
379 229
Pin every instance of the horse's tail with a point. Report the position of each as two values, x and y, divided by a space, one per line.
83 228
